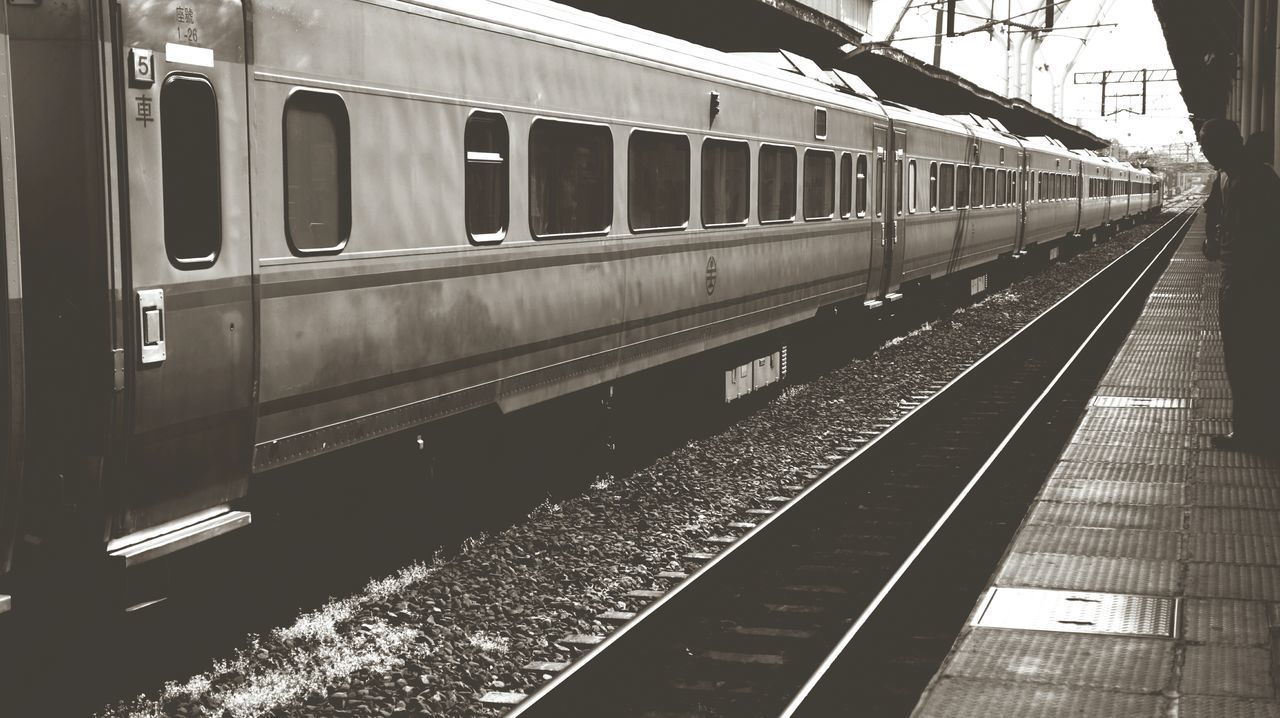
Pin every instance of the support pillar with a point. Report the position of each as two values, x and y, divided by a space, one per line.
1275 80
1246 66
1258 93
1267 67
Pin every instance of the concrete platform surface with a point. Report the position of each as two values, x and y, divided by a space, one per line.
1142 528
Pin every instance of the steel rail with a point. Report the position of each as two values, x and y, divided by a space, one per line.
797 702
751 537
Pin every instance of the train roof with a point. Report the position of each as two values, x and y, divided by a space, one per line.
572 27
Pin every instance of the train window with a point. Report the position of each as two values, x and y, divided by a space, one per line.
658 181
189 161
962 186
317 172
897 196
1013 186
777 183
946 186
486 179
879 180
1002 187
570 179
933 186
975 187
846 186
860 192
726 183
989 192
913 184
819 185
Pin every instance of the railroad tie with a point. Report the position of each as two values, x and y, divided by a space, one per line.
581 640
545 666
616 616
502 698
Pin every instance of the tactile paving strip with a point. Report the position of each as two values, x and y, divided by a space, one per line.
1224 707
1224 580
1254 497
1235 521
1156 545
1124 455
1120 472
1079 612
1107 516
1234 548
1222 621
963 698
1225 670
1090 573
1112 492
1096 437
1146 402
1122 663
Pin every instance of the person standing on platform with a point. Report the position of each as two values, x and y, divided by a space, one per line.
1249 302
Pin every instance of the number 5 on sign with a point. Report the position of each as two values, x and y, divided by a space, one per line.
142 68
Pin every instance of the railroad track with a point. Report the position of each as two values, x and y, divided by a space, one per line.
851 592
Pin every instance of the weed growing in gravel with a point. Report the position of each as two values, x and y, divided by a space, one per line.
490 643
320 651
602 483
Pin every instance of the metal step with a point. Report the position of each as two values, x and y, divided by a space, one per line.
149 544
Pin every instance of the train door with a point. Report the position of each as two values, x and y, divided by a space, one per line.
882 224
187 262
11 364
1078 190
902 196
1020 187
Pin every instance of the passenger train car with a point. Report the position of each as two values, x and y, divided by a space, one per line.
239 235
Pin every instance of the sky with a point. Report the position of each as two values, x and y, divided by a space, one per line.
1132 40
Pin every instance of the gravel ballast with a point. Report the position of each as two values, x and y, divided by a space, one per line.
433 638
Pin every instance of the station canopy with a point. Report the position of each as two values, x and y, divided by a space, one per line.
772 25
1203 39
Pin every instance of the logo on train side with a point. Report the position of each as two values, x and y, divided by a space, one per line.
711 275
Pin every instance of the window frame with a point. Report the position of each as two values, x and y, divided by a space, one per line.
702 172
612 173
209 260
912 187
863 179
949 196
846 186
966 172
347 176
900 199
933 186
795 184
804 188
493 237
688 187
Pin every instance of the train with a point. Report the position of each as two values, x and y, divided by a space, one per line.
240 235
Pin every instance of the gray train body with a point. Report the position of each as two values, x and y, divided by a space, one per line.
241 235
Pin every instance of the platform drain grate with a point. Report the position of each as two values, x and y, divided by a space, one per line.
1037 609
1145 402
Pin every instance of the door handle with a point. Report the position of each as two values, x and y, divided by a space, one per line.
151 333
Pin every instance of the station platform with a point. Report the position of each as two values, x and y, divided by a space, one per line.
1144 581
